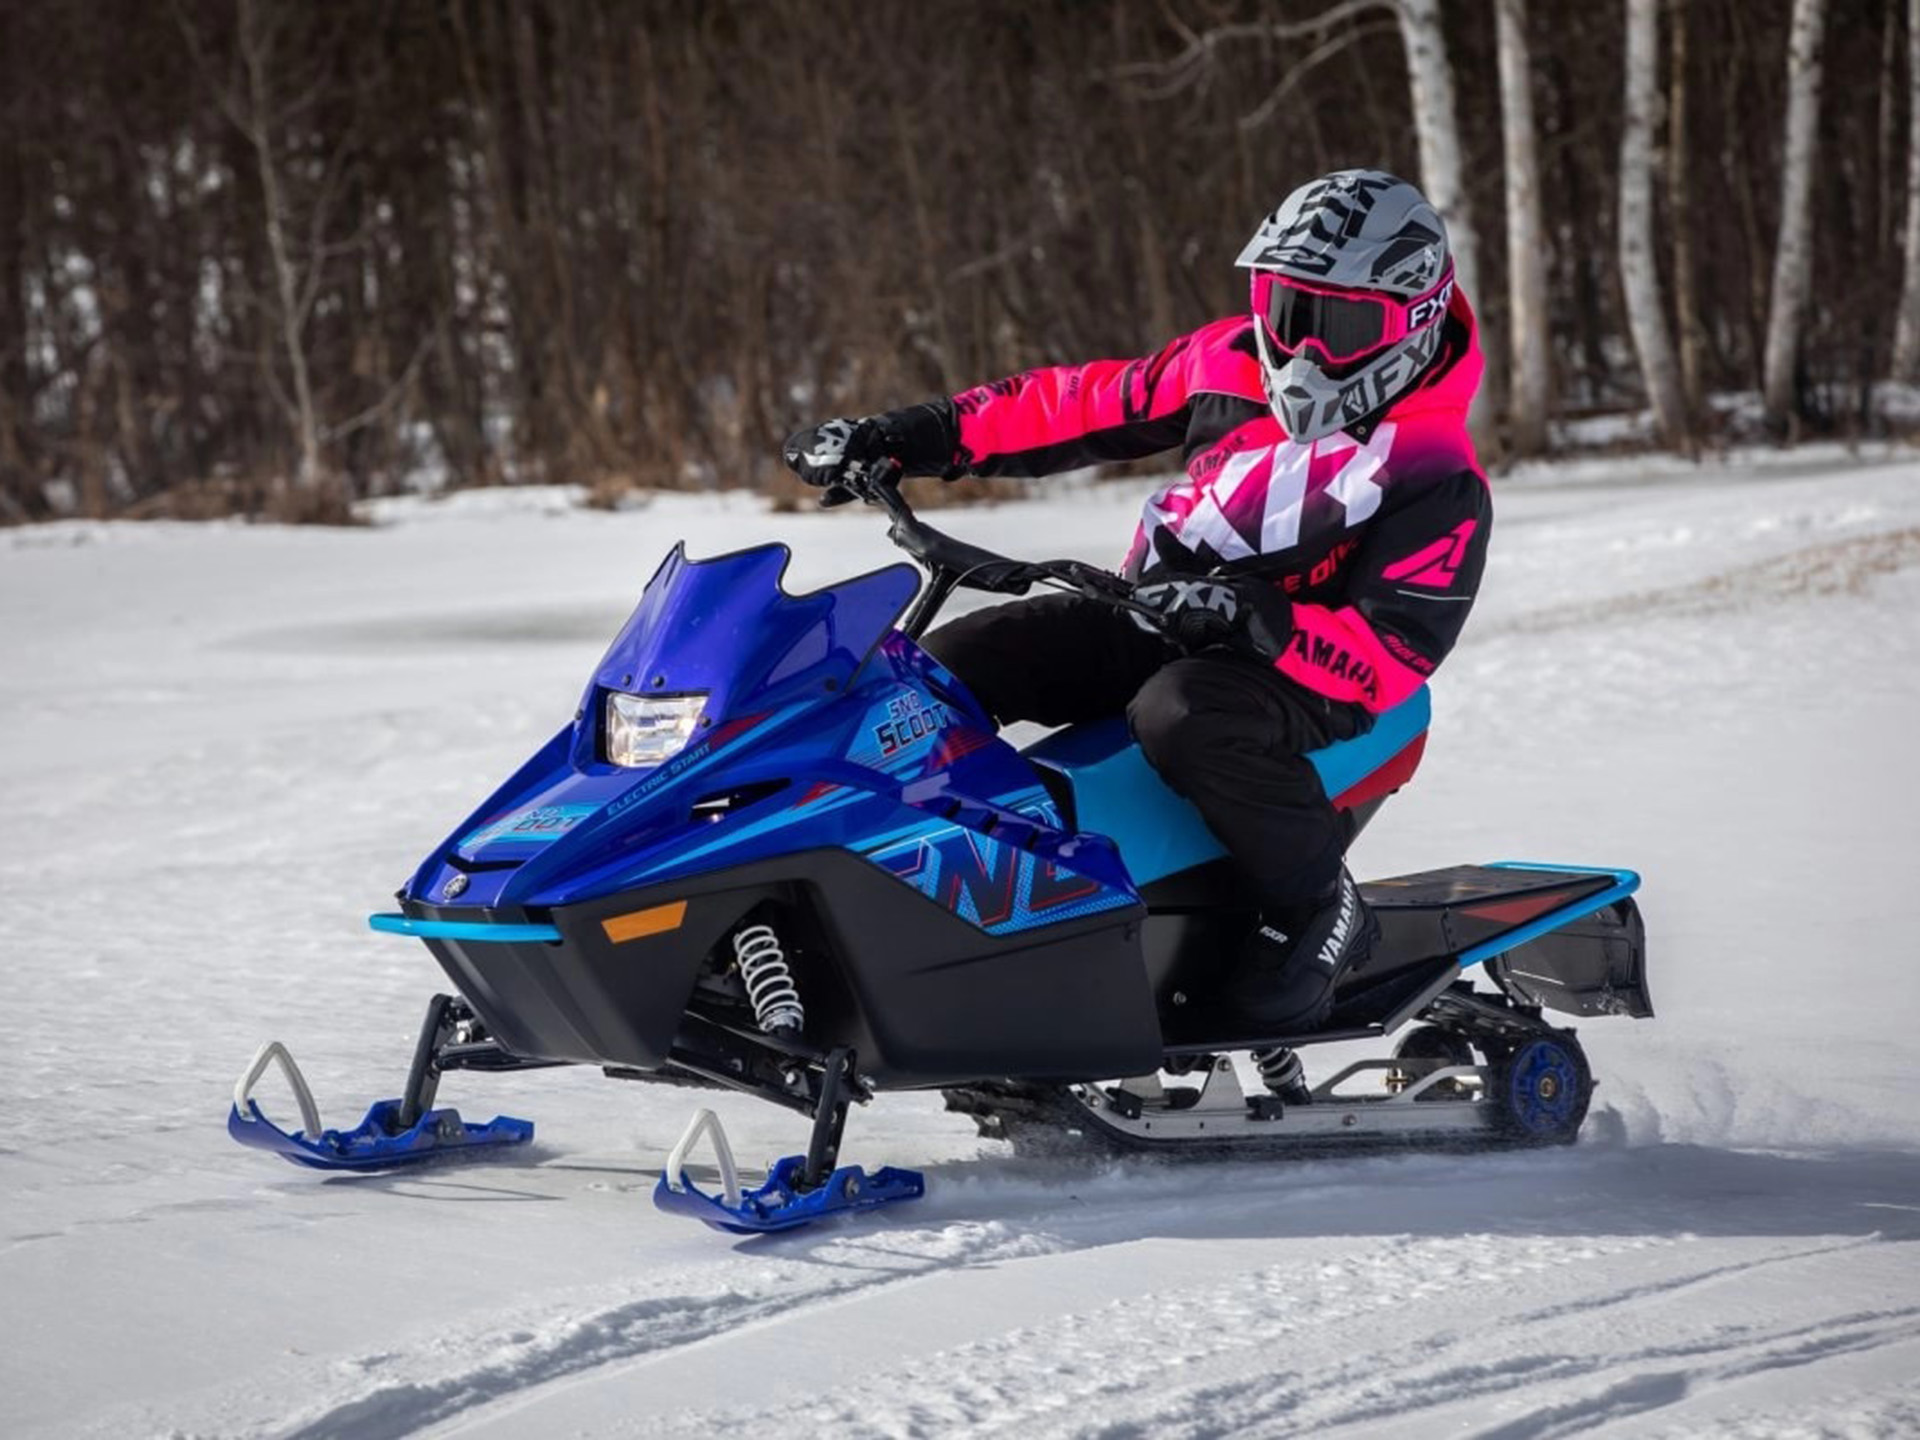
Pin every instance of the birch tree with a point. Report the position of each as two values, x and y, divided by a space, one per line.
1526 245
1906 334
1437 128
1639 275
639 253
1793 252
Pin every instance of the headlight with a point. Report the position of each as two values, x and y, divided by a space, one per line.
643 731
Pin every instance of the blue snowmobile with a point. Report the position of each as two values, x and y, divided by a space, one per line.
780 850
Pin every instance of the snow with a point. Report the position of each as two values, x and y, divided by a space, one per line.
225 744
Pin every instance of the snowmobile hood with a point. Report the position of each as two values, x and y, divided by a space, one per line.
722 628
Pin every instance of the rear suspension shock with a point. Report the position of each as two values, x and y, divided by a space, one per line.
769 980
1283 1073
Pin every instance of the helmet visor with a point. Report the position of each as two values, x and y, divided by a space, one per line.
1341 327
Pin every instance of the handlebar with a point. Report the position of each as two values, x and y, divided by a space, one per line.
959 564
971 566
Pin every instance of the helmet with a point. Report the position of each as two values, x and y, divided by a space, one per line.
1351 277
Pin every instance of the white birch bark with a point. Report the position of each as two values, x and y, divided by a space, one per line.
1437 128
1906 331
1793 253
1430 74
1639 274
1526 243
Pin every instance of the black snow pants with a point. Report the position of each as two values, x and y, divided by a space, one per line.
1227 733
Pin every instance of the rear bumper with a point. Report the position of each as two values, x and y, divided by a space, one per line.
1567 938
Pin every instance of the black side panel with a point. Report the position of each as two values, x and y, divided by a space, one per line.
588 999
924 997
1594 966
1216 885
943 1000
1196 922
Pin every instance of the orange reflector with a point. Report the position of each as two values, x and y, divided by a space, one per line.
638 924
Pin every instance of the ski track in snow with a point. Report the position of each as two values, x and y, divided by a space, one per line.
528 1356
229 742
1572 1330
1401 1333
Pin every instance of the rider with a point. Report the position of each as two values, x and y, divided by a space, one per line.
1313 564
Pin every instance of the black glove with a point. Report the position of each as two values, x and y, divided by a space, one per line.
1241 612
841 455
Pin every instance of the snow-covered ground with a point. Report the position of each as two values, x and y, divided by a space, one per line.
223 745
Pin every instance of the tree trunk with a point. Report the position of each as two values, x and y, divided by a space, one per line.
292 310
1526 239
1686 304
1639 275
1437 127
1906 333
1430 74
1793 253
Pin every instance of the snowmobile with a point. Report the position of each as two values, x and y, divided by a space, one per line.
780 850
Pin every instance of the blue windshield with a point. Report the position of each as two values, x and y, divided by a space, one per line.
725 627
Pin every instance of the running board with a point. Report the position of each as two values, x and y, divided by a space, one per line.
1223 1114
1431 984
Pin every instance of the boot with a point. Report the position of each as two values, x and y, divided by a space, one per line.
1285 983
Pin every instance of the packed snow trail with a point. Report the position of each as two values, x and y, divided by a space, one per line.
226 744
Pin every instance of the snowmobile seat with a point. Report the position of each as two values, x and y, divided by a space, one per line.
1108 788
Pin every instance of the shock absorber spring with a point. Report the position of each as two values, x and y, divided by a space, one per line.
769 980
1283 1073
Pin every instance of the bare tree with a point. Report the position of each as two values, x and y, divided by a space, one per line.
1639 276
1526 235
1906 334
299 124
295 292
622 244
1686 300
1793 252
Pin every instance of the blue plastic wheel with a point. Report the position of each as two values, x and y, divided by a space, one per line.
1540 1092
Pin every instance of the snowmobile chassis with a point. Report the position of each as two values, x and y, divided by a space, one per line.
1530 1085
907 903
1532 1089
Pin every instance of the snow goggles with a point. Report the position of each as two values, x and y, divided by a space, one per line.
1343 325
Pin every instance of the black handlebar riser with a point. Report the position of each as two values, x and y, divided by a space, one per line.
960 563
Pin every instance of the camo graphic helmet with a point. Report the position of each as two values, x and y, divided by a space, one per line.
1351 277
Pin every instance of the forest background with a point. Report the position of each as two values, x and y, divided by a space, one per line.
270 257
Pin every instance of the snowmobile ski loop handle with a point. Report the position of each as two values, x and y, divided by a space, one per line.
704 1122
270 1053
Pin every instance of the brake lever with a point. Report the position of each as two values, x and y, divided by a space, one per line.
1105 587
876 482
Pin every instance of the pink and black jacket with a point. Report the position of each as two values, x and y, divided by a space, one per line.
1377 534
